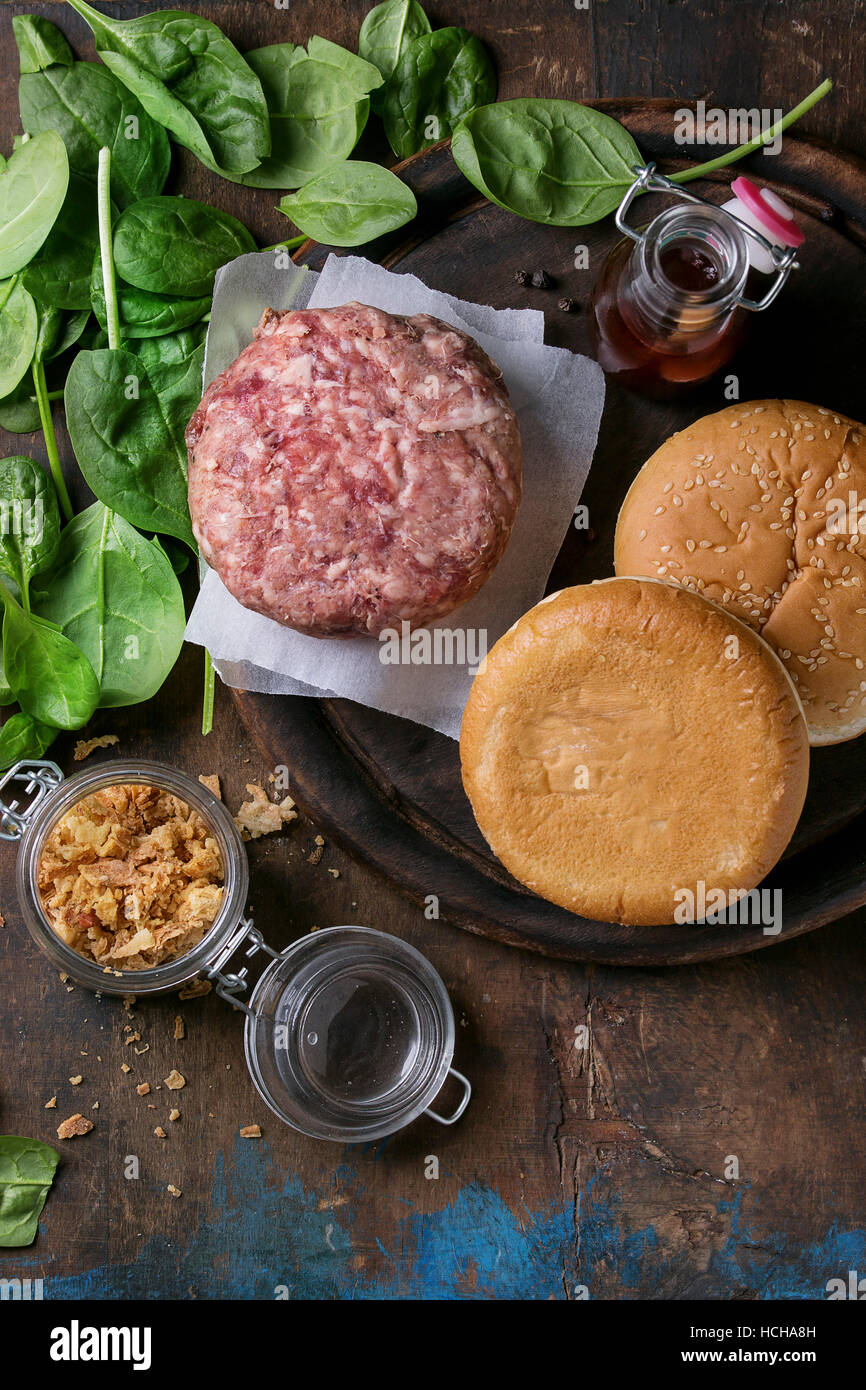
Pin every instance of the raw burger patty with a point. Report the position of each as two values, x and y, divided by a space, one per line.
352 469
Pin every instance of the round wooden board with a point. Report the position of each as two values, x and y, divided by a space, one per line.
390 790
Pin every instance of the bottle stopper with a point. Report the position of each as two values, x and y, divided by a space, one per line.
766 213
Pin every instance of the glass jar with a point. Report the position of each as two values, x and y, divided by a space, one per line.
61 795
669 308
349 1032
665 312
350 1036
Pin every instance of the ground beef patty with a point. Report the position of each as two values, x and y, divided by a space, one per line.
352 469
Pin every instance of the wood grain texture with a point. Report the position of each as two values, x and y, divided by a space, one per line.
594 1157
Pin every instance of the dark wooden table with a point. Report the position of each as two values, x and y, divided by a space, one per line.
707 1141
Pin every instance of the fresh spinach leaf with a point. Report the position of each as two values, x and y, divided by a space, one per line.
23 737
318 107
52 679
144 314
90 109
29 520
129 440
350 204
59 274
48 333
181 351
19 411
74 324
176 246
438 80
40 43
32 189
114 593
27 1169
19 330
387 31
547 160
174 366
191 79
178 555
7 694
358 75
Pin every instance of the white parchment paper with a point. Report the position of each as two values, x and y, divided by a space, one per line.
558 397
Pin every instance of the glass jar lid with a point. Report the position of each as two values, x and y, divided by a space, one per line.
350 1035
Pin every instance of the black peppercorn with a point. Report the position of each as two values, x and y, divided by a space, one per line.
541 280
569 306
523 277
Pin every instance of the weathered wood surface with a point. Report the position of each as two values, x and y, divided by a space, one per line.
601 1165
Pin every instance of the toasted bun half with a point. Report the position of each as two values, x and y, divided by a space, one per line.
756 508
627 740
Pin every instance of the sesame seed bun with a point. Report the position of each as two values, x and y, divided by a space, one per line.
626 740
751 508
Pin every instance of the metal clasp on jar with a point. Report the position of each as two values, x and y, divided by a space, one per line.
39 778
230 985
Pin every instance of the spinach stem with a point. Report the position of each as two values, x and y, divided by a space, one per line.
208 701
44 404
290 245
723 160
106 252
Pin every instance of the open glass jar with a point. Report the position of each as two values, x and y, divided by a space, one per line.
669 308
349 1032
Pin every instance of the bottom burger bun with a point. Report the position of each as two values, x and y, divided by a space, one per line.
627 741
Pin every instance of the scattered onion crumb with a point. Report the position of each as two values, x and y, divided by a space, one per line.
143 1089
175 1191
251 1132
51 1104
174 1081
212 782
261 816
73 1127
84 747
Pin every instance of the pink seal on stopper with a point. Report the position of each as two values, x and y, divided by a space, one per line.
770 211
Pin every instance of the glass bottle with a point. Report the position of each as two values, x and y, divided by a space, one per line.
669 308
